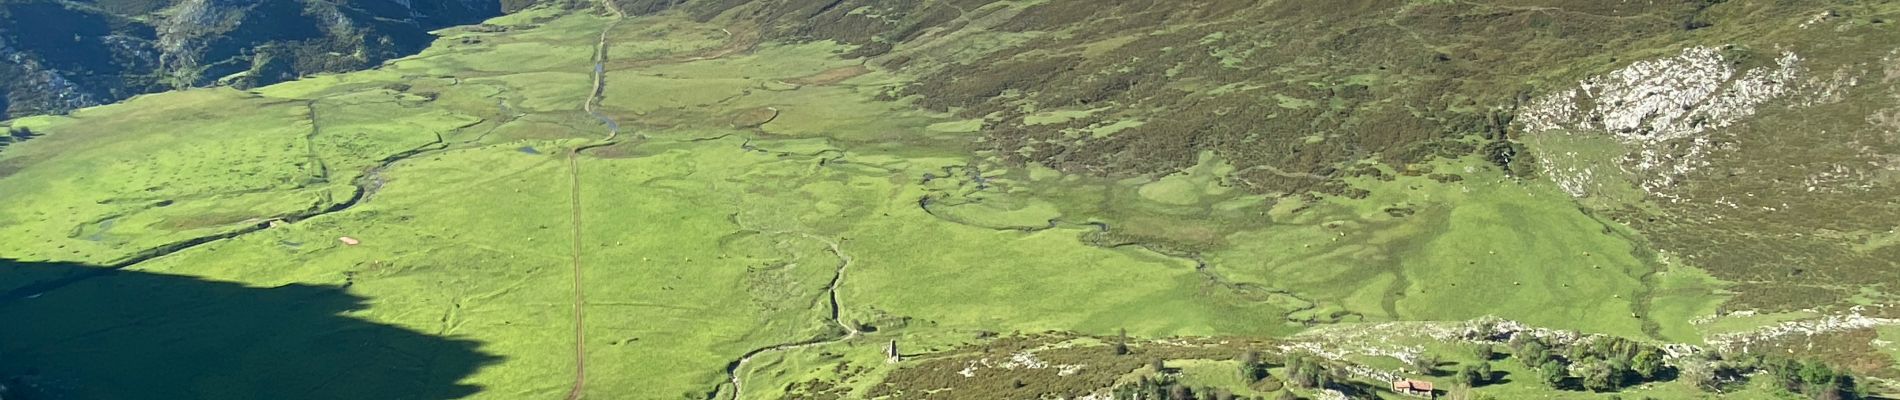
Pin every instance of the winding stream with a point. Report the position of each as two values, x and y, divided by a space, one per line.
365 184
831 291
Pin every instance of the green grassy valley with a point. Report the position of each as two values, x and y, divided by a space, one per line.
989 199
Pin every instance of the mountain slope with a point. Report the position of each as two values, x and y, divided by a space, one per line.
63 55
1295 96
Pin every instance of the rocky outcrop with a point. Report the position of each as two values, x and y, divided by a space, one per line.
54 58
1763 155
247 43
1663 109
34 88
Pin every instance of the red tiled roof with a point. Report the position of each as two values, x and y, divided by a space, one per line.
1409 384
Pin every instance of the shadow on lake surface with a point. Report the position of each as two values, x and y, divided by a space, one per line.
71 331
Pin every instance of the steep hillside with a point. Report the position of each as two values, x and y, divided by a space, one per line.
61 55
57 58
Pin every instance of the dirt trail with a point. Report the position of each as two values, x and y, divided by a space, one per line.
592 107
578 389
580 294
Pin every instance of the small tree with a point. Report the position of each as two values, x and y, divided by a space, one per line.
1307 373
1620 372
1648 363
1598 376
1534 355
1468 375
1706 377
1576 354
1485 352
1308 377
1519 342
1251 369
1484 372
1425 364
1552 373
1815 373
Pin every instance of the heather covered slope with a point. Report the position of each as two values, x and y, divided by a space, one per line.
1285 87
755 199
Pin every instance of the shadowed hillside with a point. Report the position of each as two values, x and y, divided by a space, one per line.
56 56
82 332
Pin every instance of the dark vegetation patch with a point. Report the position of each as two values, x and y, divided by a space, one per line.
285 39
1395 82
67 55
61 55
207 220
130 7
1851 350
831 76
1607 364
628 148
68 39
1406 97
1804 377
752 118
1150 368
11 166
930 379
10 136
1095 363
644 7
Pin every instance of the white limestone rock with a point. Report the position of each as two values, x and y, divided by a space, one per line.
1666 110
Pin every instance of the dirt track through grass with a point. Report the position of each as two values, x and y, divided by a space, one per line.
578 389
580 294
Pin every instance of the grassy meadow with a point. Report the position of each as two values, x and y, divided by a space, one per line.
752 183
